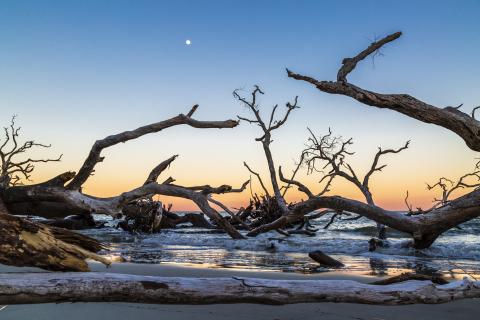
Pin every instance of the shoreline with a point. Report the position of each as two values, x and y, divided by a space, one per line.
181 270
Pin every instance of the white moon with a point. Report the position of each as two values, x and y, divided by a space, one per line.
188 42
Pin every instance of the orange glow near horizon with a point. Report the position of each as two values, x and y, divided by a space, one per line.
389 189
78 71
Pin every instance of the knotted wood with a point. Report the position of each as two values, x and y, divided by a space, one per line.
104 287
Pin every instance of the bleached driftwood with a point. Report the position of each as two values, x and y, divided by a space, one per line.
100 287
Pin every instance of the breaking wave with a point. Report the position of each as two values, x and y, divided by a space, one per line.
346 241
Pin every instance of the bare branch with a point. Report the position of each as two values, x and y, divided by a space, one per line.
94 156
279 123
330 153
464 125
259 179
348 64
192 111
11 170
294 173
155 173
59 180
301 186
227 210
265 139
409 206
448 186
169 180
375 166
473 112
200 198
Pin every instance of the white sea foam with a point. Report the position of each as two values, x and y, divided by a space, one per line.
347 241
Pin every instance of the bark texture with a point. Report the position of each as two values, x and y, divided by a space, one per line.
104 287
424 228
26 243
450 118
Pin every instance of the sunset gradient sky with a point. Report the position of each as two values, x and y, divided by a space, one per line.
77 71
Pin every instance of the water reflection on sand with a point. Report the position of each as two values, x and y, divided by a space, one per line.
455 254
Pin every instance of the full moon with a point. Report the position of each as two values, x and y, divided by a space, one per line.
188 42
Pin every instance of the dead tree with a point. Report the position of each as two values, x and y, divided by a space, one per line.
426 227
12 169
268 207
63 194
266 138
23 288
328 152
328 155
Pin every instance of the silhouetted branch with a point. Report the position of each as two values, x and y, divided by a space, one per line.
464 125
348 64
258 177
449 186
301 186
155 173
12 171
265 139
94 157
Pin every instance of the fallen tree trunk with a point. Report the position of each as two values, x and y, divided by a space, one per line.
438 279
325 260
150 216
102 287
424 228
26 243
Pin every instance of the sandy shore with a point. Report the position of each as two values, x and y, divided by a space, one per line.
464 309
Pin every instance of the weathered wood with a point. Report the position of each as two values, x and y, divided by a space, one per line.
325 260
94 156
149 216
102 287
266 138
27 243
52 199
153 176
411 276
424 228
464 125
74 222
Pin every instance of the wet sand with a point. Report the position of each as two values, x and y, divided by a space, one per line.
463 309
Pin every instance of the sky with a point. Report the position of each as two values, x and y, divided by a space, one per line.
77 71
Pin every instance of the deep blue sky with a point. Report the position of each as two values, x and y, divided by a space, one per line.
75 71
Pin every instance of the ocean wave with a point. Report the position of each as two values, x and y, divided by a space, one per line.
347 241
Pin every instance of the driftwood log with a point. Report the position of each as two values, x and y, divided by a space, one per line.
103 287
325 260
26 243
438 279
149 216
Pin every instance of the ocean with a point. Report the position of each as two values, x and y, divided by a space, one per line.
455 254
